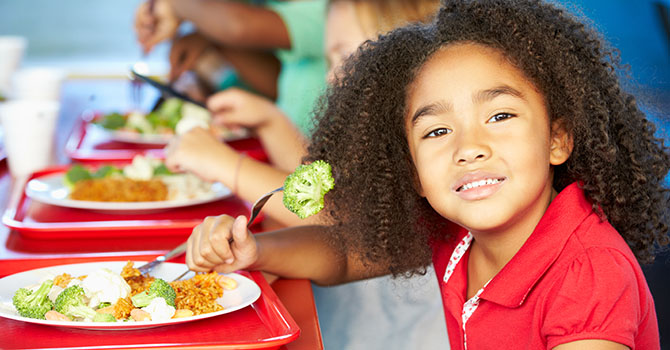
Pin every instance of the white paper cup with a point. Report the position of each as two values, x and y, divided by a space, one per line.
29 128
12 49
37 84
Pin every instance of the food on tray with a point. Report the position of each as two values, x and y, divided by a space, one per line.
128 296
305 188
174 116
162 121
144 180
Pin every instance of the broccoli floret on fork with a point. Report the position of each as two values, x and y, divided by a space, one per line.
305 188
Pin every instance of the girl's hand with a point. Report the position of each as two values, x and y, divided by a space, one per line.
197 151
238 108
208 247
185 52
153 26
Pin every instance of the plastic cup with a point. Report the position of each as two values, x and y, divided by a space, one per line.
29 127
11 54
37 84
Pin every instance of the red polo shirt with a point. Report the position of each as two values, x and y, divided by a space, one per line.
575 278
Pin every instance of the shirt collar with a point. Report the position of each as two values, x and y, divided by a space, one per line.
518 277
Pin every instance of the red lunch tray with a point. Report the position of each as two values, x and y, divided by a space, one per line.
37 220
266 324
89 144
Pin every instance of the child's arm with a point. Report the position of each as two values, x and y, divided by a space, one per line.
234 23
296 252
201 153
283 142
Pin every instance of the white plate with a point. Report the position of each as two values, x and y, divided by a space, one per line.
245 294
163 139
50 189
135 137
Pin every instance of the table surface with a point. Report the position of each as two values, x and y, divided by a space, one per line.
19 253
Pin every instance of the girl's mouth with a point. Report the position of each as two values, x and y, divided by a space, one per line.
479 183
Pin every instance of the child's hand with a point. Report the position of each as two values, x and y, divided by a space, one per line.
156 25
197 151
238 108
185 52
209 248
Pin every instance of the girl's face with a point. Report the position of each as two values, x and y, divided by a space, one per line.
343 33
481 140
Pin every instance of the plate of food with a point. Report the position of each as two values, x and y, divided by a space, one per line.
174 116
145 184
113 295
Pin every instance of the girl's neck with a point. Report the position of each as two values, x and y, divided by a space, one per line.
491 251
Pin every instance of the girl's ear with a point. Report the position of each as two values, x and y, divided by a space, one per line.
561 143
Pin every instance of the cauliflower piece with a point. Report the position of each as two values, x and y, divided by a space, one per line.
142 168
159 310
53 293
103 285
187 186
137 120
186 124
192 116
192 111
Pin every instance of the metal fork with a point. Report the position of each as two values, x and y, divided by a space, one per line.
255 210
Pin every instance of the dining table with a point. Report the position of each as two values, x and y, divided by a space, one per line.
21 251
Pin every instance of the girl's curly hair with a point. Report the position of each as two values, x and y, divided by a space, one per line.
360 131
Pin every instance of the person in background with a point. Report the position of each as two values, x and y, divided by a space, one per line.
498 143
291 30
248 35
198 151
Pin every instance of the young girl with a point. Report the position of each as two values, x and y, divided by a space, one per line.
497 143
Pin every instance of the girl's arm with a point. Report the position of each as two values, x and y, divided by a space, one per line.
591 344
234 23
296 252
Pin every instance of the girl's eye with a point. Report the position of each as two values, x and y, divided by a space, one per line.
438 132
500 117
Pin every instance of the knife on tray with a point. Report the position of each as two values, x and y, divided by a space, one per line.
167 89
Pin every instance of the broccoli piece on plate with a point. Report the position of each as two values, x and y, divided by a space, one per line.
158 289
70 302
74 174
112 121
33 304
103 317
104 304
305 188
104 171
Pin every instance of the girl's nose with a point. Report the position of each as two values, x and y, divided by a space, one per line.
472 149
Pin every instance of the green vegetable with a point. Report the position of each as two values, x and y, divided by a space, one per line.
33 304
162 170
305 188
70 302
158 289
105 171
112 121
76 173
104 304
103 317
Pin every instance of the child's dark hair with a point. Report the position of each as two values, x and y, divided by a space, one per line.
618 161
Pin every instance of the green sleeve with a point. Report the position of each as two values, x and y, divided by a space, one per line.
303 72
305 21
